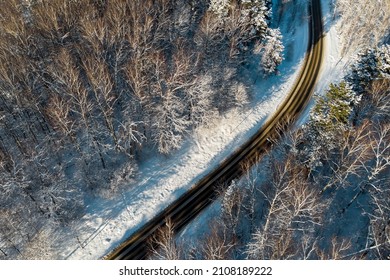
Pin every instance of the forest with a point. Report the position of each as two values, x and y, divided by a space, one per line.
89 89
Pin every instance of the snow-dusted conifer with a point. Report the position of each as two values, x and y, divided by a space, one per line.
256 13
220 7
253 14
272 54
330 117
333 110
373 64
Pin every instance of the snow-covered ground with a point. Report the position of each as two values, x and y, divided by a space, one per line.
160 182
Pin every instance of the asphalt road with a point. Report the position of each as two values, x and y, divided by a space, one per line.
203 193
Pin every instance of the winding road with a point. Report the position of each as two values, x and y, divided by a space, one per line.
202 194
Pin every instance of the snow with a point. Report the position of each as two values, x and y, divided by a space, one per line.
161 180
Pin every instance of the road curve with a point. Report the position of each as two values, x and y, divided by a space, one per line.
199 196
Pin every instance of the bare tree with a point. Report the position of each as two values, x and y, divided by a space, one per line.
231 207
380 97
359 21
69 87
293 210
208 36
218 244
102 87
199 97
163 245
350 158
41 247
377 168
170 121
337 251
58 112
380 151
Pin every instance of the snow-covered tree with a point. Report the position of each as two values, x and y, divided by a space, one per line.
374 63
363 23
199 95
329 119
170 124
220 7
256 13
272 51
251 15
231 208
41 247
169 120
163 245
333 110
130 139
291 212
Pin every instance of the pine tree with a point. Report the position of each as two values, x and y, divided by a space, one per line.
257 12
372 64
272 54
333 110
220 7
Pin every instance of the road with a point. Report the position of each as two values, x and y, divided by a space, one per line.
202 194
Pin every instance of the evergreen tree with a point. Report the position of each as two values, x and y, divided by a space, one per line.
257 12
333 110
372 64
220 7
272 52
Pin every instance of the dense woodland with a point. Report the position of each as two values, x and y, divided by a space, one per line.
89 88
322 191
